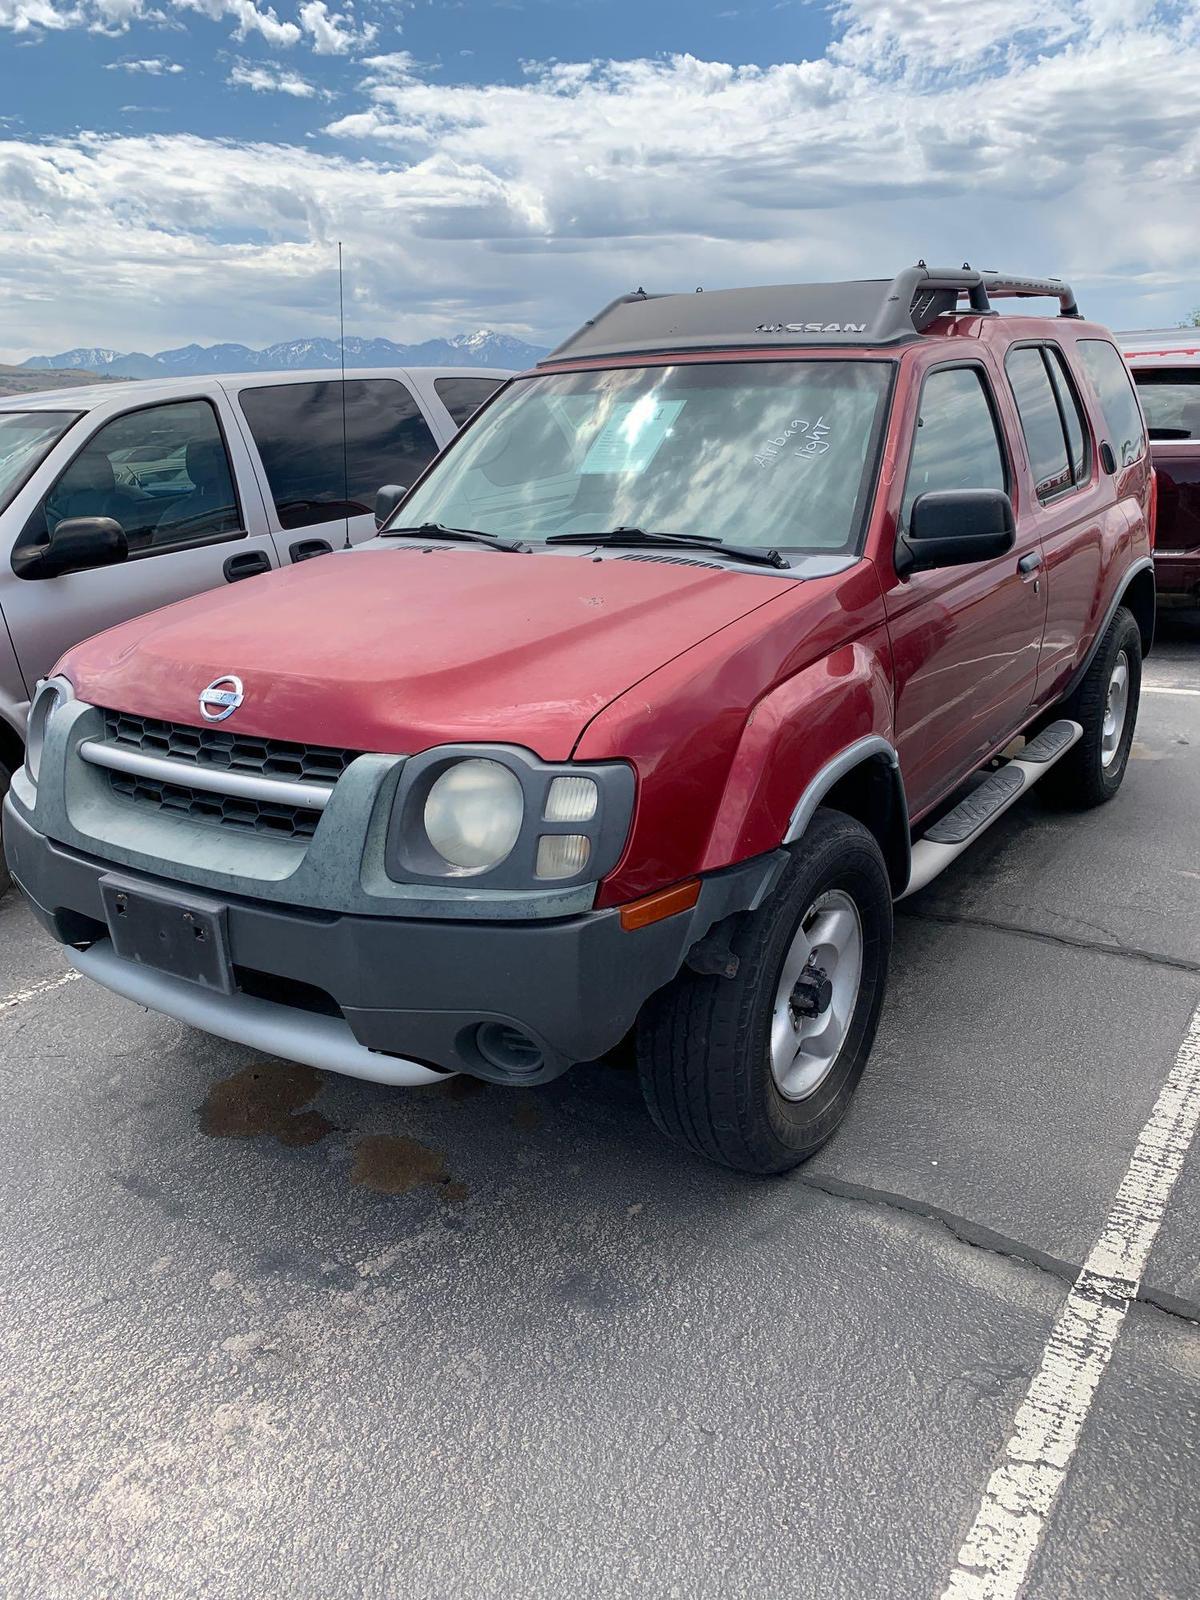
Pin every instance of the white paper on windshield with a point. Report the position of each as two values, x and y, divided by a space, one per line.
632 436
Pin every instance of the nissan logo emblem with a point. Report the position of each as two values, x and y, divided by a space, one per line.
221 699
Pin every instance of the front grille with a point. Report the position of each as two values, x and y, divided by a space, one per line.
228 751
229 811
224 748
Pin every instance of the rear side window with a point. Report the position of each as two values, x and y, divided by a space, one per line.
1112 382
956 445
1040 421
298 430
1072 412
462 397
1171 400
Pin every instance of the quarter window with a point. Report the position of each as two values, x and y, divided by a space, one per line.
1041 422
1111 378
462 397
298 428
162 472
956 444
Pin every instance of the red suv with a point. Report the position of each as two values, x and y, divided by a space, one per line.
1166 367
701 645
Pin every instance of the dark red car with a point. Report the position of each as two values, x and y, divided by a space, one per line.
702 644
1166 367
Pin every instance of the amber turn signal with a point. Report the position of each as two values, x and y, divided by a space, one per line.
663 903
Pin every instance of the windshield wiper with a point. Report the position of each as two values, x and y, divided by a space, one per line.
439 530
616 537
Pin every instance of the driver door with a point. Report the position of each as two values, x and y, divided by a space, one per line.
965 639
169 474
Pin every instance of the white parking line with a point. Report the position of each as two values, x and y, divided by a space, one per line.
19 996
1008 1528
1164 688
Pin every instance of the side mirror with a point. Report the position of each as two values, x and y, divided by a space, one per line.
951 527
76 544
386 501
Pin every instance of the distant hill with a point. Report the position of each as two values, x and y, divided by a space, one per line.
483 348
20 380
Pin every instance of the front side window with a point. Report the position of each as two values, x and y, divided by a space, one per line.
774 454
462 397
956 444
298 428
1041 422
26 439
162 472
1111 380
1171 400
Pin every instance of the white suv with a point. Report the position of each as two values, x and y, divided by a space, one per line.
117 499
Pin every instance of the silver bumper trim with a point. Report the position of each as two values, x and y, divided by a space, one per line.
215 780
322 1042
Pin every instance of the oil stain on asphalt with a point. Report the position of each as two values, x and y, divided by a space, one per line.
389 1163
266 1098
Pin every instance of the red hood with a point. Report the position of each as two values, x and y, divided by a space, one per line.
394 650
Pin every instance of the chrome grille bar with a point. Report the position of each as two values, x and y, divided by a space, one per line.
214 780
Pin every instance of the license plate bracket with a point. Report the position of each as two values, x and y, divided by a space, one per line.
183 935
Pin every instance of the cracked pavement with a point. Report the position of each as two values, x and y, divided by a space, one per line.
273 1334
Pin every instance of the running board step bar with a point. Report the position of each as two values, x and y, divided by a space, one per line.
950 835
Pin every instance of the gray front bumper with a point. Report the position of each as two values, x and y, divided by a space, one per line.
418 987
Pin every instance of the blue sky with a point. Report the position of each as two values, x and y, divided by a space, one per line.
174 170
95 85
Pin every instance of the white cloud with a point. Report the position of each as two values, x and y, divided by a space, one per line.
1066 146
249 18
334 33
153 66
268 79
25 16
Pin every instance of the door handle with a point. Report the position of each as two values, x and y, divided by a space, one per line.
246 565
306 549
1029 563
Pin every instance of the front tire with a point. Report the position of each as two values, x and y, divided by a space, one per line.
1106 706
756 1071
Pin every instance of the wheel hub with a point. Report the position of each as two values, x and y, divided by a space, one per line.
817 994
813 991
1116 706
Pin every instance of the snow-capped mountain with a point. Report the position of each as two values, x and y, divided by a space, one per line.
483 348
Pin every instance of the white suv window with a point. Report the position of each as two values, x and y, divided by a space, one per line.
162 472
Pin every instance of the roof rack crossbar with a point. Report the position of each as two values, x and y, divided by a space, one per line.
935 291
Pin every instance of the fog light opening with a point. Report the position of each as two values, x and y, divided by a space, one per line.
508 1049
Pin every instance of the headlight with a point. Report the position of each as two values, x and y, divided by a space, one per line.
501 817
45 703
473 814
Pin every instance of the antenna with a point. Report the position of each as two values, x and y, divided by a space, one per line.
345 445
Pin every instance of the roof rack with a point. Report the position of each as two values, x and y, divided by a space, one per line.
866 311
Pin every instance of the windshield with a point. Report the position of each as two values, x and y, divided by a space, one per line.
25 438
773 454
1171 401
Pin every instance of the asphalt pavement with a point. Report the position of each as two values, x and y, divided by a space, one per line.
268 1333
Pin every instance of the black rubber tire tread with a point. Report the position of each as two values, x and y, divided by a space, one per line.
1080 781
702 1042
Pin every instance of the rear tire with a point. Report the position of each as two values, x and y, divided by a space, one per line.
1106 706
753 1071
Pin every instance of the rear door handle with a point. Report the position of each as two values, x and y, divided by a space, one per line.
306 549
1029 563
246 565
